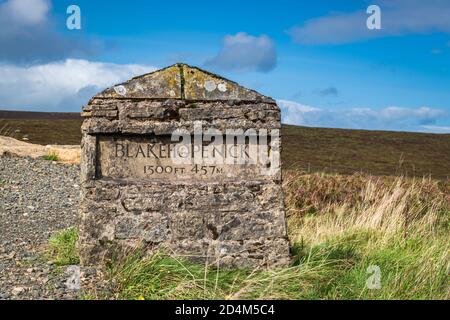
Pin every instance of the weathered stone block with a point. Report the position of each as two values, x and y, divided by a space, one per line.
140 192
148 227
187 226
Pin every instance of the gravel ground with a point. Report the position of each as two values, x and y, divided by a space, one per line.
37 198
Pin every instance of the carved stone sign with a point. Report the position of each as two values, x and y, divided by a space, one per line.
156 158
185 161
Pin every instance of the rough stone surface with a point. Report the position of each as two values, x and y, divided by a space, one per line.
181 81
134 196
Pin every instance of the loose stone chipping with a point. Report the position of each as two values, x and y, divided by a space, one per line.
232 215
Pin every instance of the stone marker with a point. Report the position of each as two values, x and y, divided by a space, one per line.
160 171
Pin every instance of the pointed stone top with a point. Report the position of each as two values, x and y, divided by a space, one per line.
181 81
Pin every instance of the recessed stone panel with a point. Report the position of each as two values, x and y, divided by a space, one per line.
158 158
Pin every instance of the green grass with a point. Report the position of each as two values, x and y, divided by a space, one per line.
51 157
62 247
166 277
409 269
336 269
399 227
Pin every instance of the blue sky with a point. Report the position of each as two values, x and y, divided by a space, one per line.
317 58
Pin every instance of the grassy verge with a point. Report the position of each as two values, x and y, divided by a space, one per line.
353 237
338 269
166 277
62 247
393 229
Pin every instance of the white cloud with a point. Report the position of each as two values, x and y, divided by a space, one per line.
398 17
437 129
295 113
389 118
243 52
24 12
60 86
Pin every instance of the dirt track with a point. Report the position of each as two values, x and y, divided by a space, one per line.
10 146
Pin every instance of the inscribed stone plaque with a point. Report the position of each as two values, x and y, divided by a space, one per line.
160 158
